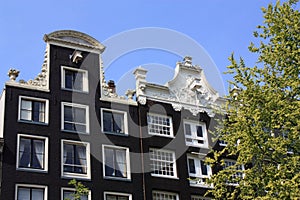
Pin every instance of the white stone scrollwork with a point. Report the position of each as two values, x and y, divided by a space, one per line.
142 100
177 106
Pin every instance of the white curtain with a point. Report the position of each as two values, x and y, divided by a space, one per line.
24 153
81 151
121 161
39 147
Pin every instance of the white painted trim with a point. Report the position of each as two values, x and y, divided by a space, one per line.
127 162
118 193
164 192
194 136
26 86
88 160
165 116
85 79
34 99
87 113
174 165
125 119
118 100
81 47
31 186
73 189
2 112
45 153
198 173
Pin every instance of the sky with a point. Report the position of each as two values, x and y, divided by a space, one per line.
218 27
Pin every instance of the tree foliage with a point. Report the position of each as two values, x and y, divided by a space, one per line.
263 114
80 190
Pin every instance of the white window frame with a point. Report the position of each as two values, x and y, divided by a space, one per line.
125 121
200 178
46 101
193 136
165 193
73 190
118 193
87 124
197 197
171 135
88 161
32 186
45 152
128 171
234 162
85 84
168 162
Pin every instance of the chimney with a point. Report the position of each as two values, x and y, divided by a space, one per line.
111 86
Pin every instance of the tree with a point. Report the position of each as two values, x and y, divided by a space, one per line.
262 125
80 190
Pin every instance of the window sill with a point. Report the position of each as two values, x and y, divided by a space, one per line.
77 176
165 136
33 122
32 170
77 91
160 176
116 178
116 134
197 146
70 131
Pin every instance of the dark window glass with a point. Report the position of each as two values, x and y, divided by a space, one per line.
73 80
113 122
192 166
26 193
75 159
115 162
74 119
31 153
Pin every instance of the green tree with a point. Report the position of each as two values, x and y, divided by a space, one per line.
262 127
80 190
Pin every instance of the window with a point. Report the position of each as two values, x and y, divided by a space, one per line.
114 121
160 125
74 79
198 171
116 196
195 134
75 159
162 163
75 117
238 175
32 152
160 195
196 197
68 193
116 162
33 110
31 192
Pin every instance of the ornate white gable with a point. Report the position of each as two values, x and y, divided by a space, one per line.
189 89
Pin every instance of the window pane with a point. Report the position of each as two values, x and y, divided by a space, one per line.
199 131
37 194
118 122
203 168
192 168
187 128
38 111
79 115
23 194
24 152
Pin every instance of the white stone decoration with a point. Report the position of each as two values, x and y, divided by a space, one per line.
188 90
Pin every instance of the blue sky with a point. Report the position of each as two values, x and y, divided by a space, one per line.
220 27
